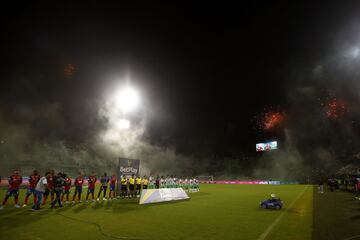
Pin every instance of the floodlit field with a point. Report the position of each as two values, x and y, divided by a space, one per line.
217 212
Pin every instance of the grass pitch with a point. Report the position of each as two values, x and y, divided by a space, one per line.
216 212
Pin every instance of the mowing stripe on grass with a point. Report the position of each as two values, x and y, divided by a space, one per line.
270 228
98 226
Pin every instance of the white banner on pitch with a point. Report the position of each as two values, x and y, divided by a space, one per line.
162 195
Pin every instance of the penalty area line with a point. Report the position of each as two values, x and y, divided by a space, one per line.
277 220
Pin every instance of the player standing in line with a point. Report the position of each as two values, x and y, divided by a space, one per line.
15 181
40 188
168 181
123 182
79 181
157 182
162 182
112 187
196 184
144 182
50 187
165 183
174 182
66 189
132 186
33 180
59 182
191 186
180 182
104 180
186 184
138 185
151 182
91 187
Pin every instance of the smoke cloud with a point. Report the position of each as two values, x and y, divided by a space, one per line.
318 140
36 141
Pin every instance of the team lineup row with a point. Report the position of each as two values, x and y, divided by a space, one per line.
58 187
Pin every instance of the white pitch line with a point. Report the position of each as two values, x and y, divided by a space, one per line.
270 228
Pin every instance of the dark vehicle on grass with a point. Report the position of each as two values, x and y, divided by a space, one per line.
271 203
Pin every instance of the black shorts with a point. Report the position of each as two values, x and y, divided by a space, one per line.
138 186
144 186
132 187
123 188
48 191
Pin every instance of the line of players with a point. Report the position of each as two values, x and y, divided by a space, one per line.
58 187
171 181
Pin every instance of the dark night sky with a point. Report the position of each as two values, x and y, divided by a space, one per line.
208 69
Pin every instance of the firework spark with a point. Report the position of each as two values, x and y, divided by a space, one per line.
335 108
270 119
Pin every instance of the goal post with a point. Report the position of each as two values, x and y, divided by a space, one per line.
205 179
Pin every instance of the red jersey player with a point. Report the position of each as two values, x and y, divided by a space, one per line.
79 181
91 187
112 186
50 187
33 180
66 189
15 181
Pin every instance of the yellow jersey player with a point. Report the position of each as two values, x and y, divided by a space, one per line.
145 182
138 185
123 183
132 186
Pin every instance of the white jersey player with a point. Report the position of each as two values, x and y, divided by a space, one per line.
162 182
180 182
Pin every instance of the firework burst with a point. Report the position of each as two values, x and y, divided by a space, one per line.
335 108
270 119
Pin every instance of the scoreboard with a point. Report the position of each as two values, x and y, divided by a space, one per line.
268 146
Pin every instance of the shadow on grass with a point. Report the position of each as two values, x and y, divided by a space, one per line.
80 208
128 201
108 205
98 205
63 209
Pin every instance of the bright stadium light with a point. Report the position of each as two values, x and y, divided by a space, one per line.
127 99
123 124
